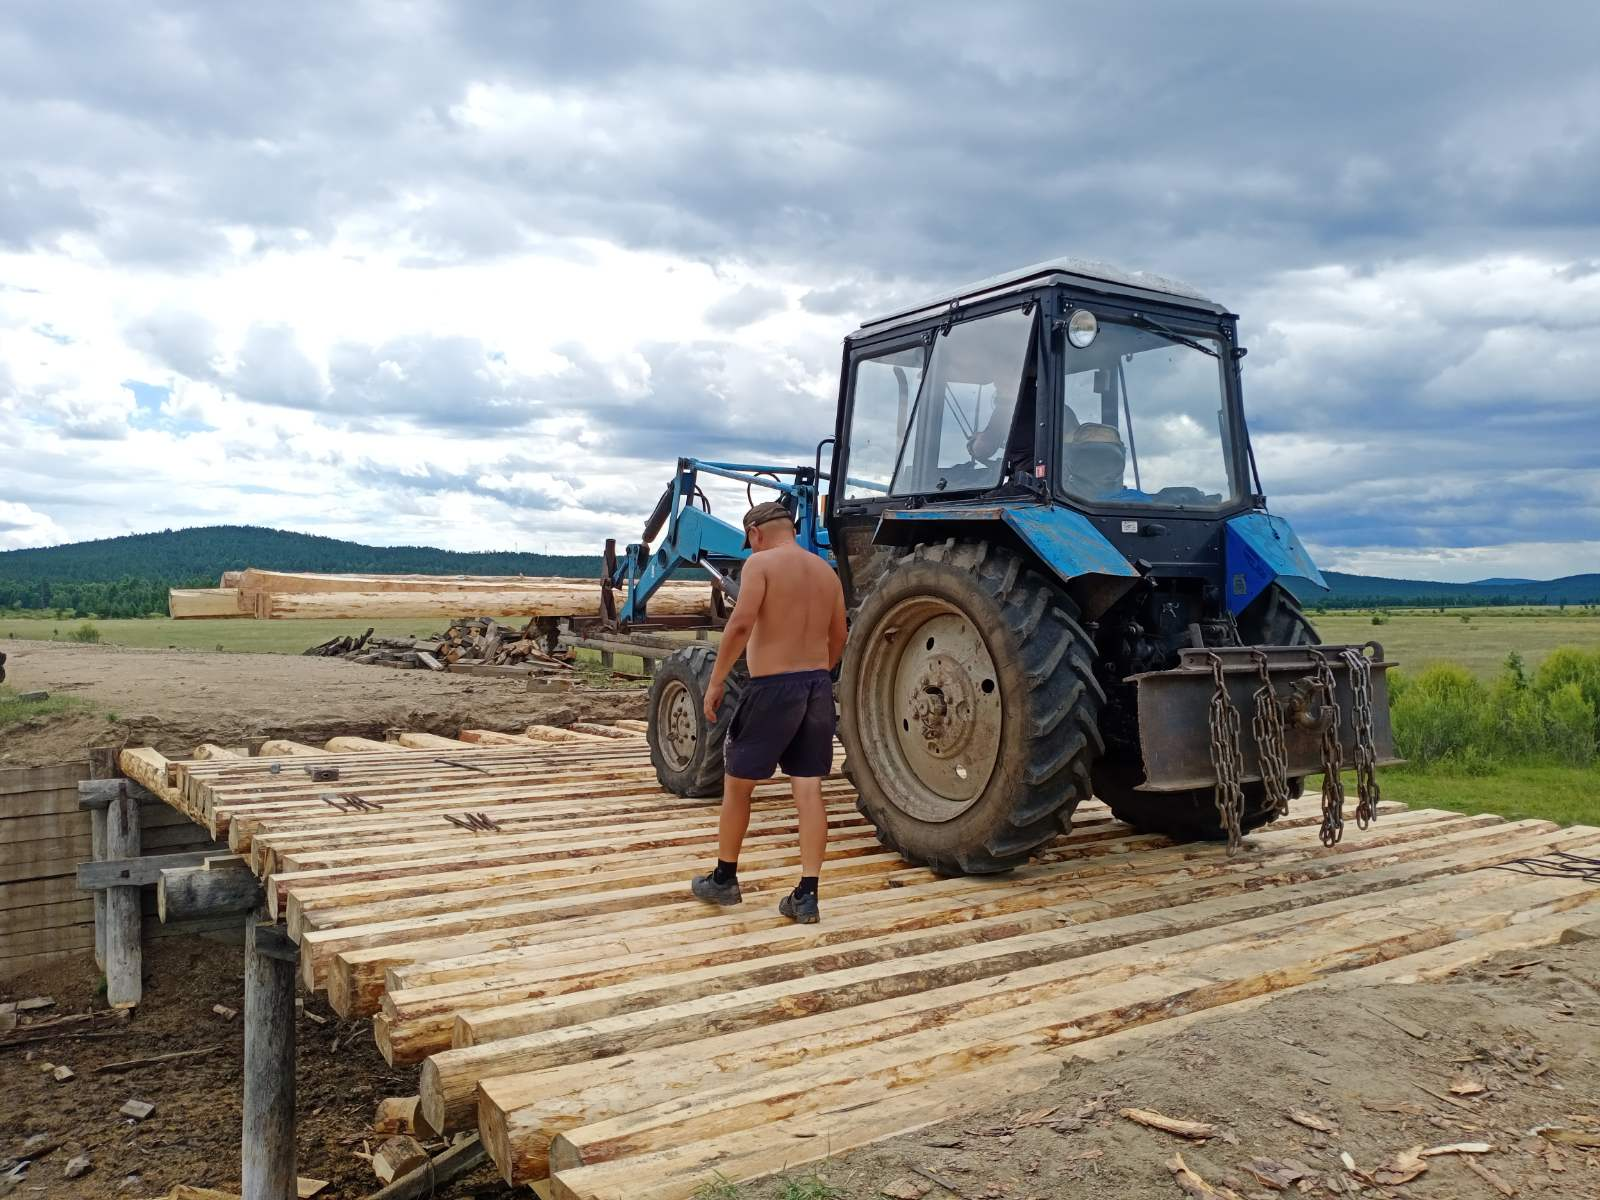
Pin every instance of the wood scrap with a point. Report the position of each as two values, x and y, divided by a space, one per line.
1405 1166
1194 1130
1589 1139
134 1064
137 1109
1309 1120
1489 1177
396 1114
466 1155
1194 1186
1458 1148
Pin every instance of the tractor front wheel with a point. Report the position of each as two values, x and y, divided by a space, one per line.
969 708
686 749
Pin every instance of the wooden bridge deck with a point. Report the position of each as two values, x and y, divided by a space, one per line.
543 962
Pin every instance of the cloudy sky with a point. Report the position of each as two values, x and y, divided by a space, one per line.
473 274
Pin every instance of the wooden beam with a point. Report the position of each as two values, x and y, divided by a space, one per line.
267 1155
134 872
550 598
412 740
358 745
185 893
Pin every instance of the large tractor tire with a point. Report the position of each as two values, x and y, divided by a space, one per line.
1274 619
969 708
686 749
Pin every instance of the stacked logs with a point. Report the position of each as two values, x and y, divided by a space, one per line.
468 642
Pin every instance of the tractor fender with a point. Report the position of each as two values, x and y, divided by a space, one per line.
1064 542
1259 548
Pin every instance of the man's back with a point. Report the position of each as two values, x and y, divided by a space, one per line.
800 596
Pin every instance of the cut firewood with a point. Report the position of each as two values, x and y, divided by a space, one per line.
398 1156
1196 1130
396 1114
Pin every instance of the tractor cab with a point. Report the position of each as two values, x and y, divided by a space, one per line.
1111 395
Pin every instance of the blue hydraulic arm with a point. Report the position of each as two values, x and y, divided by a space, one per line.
692 540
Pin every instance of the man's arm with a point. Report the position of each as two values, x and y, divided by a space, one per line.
836 626
736 633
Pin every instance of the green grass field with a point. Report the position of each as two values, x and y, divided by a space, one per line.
1419 637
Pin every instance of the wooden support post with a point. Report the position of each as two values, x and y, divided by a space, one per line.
267 1167
608 660
102 765
123 952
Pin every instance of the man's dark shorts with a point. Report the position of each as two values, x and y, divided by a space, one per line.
783 721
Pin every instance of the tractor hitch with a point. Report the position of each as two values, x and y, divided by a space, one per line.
1174 707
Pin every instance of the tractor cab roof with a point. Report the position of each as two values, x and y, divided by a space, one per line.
1096 276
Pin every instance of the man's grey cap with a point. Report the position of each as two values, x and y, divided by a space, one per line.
768 510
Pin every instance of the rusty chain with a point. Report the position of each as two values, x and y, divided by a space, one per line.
1332 754
1227 760
1267 725
1366 753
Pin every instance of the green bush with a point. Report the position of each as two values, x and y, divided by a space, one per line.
87 632
1445 716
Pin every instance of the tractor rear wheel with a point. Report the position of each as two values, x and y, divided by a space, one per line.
685 748
969 708
1273 619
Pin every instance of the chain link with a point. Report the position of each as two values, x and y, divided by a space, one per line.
1332 754
1366 753
1267 725
1227 760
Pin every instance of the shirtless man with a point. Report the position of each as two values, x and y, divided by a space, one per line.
790 613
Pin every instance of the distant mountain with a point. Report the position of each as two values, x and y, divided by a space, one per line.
129 576
1366 591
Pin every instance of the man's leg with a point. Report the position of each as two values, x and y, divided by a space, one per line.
735 817
721 886
813 824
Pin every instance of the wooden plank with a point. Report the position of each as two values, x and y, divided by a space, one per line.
39 803
1111 993
448 1078
15 781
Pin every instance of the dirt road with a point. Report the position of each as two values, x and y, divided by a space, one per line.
174 699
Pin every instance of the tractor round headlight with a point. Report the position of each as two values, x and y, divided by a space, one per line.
1082 328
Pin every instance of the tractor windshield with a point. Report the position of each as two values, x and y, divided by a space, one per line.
1145 419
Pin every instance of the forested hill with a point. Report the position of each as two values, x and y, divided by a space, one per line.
129 576
1366 591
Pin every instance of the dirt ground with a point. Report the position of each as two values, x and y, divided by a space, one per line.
175 699
192 1136
1523 1027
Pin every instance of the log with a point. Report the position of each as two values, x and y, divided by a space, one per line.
267 1151
201 603
553 598
466 1155
430 741
555 734
357 745
185 893
207 751
124 958
283 748
134 872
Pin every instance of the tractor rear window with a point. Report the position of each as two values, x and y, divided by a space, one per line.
1144 420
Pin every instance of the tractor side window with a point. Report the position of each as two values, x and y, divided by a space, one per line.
962 418
885 389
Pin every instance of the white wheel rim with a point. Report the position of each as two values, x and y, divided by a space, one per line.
677 725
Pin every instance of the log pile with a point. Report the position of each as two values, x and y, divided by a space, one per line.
511 911
468 642
282 595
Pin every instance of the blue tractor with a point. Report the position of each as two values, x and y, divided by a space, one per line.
1062 578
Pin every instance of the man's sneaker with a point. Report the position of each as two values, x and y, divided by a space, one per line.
708 889
801 909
